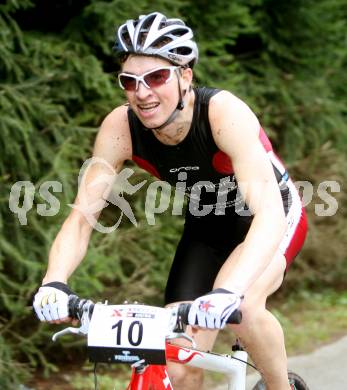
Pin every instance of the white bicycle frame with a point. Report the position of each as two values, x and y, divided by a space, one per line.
232 366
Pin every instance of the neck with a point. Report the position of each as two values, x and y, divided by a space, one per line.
176 131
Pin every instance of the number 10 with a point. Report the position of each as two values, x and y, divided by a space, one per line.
131 339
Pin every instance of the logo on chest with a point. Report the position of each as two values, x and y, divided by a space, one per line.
195 168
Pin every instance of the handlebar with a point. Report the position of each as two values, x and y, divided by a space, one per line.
101 350
78 307
82 310
183 311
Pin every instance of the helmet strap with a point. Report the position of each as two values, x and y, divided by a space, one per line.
179 107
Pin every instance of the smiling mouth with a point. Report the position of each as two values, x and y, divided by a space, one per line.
147 107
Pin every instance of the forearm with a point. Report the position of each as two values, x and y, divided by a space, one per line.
68 249
257 251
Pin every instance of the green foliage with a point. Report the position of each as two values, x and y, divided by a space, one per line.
323 262
302 320
81 382
53 94
286 59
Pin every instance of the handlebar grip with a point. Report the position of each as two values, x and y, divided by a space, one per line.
73 306
77 306
183 310
235 318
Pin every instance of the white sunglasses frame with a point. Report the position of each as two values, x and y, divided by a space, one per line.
141 79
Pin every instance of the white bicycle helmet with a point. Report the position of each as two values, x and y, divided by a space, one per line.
156 35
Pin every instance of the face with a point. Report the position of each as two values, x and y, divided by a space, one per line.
154 105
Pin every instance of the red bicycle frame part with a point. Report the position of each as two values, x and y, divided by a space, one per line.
152 378
156 377
178 354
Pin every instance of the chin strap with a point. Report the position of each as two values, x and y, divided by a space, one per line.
179 107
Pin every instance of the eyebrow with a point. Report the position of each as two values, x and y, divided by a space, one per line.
147 71
124 71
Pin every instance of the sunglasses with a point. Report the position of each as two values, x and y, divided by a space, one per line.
152 79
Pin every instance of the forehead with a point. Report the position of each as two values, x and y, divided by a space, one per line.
139 64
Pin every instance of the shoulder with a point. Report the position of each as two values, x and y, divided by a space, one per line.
230 117
226 106
114 135
116 120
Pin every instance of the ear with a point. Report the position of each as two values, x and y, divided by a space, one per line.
187 78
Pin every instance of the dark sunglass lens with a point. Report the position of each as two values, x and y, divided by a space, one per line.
128 82
157 78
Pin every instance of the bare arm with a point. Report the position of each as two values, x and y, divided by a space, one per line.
111 149
236 132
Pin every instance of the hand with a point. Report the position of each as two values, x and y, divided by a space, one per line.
51 302
213 309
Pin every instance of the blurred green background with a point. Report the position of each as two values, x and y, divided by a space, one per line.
286 59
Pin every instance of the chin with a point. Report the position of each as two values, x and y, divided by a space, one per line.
151 123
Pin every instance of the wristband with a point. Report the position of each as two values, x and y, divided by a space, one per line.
59 286
224 291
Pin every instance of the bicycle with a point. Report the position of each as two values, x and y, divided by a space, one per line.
140 335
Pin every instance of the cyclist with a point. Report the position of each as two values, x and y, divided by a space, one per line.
244 221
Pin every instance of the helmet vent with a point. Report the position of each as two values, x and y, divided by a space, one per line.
155 35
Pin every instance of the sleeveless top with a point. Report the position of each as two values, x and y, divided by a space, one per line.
196 165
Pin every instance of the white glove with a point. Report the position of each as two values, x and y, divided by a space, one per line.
51 301
213 309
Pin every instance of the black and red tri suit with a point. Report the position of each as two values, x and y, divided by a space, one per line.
216 218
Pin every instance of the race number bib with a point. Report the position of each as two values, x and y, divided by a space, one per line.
127 334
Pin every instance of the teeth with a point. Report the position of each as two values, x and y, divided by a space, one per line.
149 106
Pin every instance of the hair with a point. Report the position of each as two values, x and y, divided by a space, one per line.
159 44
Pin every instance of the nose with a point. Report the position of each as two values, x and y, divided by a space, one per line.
142 91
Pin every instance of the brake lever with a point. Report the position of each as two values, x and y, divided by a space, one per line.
178 327
65 331
182 335
82 330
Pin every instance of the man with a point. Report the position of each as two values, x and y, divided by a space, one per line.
244 221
